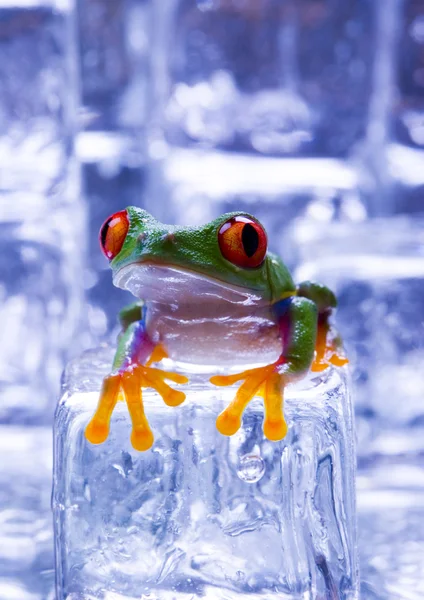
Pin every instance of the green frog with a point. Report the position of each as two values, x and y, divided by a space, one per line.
210 295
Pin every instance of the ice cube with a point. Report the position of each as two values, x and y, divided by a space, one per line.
200 514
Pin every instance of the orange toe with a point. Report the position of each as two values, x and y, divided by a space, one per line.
227 423
96 433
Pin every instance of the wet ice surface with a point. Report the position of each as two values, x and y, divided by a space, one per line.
26 535
201 515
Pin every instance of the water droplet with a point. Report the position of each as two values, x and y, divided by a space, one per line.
251 468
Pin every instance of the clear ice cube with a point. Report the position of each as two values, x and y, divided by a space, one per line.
200 514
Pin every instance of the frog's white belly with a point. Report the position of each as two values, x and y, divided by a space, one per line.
202 320
215 334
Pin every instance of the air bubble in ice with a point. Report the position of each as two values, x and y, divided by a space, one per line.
251 468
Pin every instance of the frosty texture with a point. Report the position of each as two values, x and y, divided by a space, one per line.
202 515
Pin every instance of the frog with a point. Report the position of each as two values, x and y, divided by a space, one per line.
209 295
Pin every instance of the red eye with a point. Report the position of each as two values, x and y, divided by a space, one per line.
243 242
112 234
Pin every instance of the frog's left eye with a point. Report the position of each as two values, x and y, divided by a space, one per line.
112 234
243 242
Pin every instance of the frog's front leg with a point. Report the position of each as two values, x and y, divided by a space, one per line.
131 371
131 313
297 320
329 346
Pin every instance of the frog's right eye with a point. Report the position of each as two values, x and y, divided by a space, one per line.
113 233
243 242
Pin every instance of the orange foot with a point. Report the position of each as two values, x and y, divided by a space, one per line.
264 381
128 383
328 349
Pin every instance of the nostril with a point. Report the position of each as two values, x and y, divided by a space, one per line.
168 237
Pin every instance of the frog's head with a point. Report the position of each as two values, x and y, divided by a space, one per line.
225 259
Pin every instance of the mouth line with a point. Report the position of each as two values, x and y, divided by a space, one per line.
251 291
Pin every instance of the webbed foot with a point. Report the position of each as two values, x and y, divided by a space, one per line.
265 381
127 383
328 349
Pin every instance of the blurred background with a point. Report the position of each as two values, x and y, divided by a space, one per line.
308 114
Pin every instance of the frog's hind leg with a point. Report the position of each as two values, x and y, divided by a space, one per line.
157 355
329 346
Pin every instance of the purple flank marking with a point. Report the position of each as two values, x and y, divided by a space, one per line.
140 347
